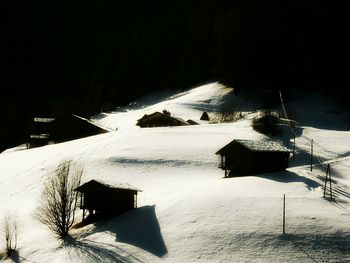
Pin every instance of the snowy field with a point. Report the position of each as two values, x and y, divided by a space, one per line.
187 211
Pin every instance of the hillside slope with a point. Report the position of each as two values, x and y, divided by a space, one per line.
187 211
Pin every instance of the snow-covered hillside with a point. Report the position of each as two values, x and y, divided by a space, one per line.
187 211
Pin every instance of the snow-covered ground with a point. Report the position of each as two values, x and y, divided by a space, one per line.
187 211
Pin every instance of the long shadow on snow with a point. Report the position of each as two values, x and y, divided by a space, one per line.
320 246
301 158
157 162
97 251
339 189
138 227
290 177
322 119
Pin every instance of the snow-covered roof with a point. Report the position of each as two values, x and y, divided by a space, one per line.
108 184
257 146
92 122
263 146
147 117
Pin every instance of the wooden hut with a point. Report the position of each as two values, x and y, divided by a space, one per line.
243 157
105 200
71 127
205 117
158 119
192 122
39 134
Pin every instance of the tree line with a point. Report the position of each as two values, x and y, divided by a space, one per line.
59 57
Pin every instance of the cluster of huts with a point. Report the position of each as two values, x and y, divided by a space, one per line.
71 126
100 200
164 119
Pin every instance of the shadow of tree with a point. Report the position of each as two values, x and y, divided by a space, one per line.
14 257
290 177
97 251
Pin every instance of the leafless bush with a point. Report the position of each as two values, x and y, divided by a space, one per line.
57 209
267 124
10 233
225 115
166 112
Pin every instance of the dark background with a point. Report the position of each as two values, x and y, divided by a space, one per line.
73 56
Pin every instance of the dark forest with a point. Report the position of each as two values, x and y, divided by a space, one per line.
73 56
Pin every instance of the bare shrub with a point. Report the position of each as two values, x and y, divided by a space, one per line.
225 115
10 233
57 209
267 124
166 112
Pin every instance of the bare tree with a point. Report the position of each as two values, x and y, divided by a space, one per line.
57 209
10 232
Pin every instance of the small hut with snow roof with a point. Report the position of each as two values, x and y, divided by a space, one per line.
105 200
243 157
158 119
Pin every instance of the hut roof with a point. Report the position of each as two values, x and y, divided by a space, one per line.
192 122
147 117
103 184
205 116
91 122
72 116
257 146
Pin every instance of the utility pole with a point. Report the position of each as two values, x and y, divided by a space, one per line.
312 154
328 178
330 181
284 214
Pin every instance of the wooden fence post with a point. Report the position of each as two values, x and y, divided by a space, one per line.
325 184
294 149
284 214
330 181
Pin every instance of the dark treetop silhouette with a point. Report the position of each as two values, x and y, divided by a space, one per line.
60 56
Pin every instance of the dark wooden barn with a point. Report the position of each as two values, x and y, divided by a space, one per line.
39 134
205 117
103 200
244 157
71 127
158 119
